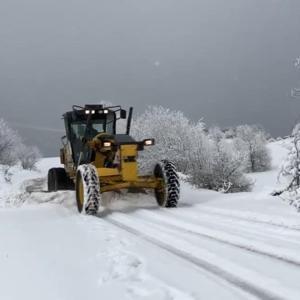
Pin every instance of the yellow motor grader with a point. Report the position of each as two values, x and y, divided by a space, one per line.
96 160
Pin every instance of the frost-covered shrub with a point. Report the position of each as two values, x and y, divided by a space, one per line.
28 156
13 151
198 158
216 165
171 132
6 173
209 160
252 139
216 133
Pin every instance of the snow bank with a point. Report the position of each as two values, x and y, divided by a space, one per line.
213 246
13 188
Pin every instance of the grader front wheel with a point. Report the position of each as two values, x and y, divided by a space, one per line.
168 194
88 196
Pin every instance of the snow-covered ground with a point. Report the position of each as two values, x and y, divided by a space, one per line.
214 246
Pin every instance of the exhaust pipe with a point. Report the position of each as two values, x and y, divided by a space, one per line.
129 120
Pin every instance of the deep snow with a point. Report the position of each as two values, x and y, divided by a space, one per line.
214 246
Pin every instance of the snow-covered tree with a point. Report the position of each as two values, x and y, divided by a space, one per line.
230 132
291 171
252 139
291 166
9 143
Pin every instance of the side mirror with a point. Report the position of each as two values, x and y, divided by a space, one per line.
123 114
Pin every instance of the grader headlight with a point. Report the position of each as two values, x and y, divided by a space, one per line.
106 144
149 142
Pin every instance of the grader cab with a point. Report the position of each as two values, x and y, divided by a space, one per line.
96 160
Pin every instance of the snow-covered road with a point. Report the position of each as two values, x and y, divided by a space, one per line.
214 246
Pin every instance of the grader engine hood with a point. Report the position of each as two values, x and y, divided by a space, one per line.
120 152
124 139
128 151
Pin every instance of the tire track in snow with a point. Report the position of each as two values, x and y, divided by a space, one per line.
239 227
231 278
224 213
200 234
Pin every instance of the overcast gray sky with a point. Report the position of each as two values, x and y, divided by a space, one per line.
228 62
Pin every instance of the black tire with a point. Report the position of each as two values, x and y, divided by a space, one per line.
168 196
88 195
58 180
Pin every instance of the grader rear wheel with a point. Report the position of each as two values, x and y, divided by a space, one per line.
58 180
88 196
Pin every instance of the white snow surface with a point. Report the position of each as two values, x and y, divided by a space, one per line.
213 246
